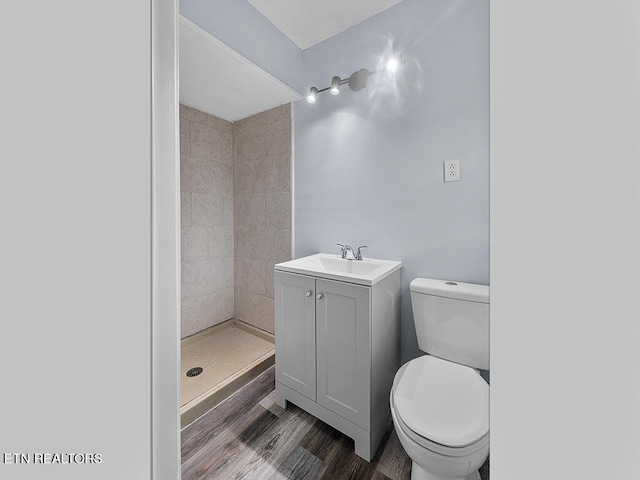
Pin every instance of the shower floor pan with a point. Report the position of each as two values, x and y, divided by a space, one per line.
230 355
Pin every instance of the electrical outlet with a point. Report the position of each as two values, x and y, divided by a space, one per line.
451 170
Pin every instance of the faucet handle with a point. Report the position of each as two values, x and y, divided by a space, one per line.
343 249
359 252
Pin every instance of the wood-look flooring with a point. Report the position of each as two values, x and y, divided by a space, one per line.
248 436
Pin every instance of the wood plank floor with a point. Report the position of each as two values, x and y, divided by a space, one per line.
248 436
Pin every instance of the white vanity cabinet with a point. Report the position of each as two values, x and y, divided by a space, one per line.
338 348
295 322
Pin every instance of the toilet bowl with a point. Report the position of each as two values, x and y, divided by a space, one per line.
440 412
440 402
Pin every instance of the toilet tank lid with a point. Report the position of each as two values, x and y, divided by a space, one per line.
449 289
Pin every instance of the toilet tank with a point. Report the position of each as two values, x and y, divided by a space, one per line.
452 320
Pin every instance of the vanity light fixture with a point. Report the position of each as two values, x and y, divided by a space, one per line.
357 80
335 85
313 94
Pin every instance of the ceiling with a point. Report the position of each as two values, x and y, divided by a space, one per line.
307 22
217 80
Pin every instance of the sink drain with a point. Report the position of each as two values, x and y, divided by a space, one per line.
194 372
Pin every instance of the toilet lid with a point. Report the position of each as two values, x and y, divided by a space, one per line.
442 401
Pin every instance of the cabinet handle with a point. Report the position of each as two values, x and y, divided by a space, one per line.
309 293
319 296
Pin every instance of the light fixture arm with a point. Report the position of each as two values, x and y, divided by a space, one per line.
342 82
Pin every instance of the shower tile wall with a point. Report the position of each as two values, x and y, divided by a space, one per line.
262 210
206 183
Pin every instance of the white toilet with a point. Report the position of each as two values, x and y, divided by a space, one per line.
439 402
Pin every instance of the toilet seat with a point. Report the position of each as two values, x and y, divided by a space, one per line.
443 406
436 447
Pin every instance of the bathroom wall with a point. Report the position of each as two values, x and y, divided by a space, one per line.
565 230
262 210
76 265
206 182
369 164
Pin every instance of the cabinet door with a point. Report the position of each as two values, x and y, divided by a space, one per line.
295 332
344 349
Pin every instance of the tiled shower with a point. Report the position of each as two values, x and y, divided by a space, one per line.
262 211
235 181
206 196
236 215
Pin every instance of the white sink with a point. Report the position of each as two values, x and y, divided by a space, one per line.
364 272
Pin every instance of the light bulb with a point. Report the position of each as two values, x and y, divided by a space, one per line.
313 94
392 64
335 85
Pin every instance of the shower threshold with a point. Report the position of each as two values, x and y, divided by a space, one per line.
228 355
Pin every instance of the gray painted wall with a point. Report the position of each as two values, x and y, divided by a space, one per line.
75 196
565 232
369 164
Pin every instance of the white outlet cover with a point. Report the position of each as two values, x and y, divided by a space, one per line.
451 170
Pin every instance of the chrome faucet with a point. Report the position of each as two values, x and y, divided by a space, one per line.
347 251
359 252
349 254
